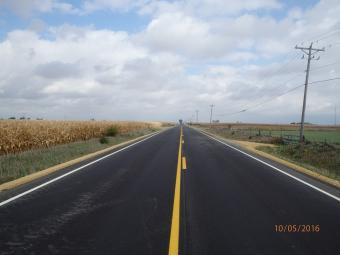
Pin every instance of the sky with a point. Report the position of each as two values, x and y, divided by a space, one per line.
163 60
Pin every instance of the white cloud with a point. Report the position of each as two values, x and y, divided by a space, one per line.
100 66
113 5
207 8
223 38
184 59
176 32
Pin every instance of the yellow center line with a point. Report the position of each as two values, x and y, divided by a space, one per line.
174 233
184 163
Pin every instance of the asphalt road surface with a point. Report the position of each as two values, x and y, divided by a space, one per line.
172 194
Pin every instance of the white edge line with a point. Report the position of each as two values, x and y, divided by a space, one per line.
73 171
275 168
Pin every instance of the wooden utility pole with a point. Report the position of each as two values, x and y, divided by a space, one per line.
310 51
211 112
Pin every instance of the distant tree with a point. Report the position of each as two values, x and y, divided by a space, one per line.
298 123
11 118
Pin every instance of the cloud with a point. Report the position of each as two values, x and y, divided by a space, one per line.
75 53
184 59
207 8
237 38
176 32
25 8
103 67
58 70
89 6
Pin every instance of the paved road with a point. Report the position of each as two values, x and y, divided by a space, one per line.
123 204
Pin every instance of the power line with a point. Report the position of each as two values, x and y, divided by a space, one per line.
277 96
290 60
327 36
323 66
284 65
244 105
271 99
331 79
321 36
265 102
295 88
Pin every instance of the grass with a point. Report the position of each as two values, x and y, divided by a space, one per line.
322 158
13 166
329 136
320 154
244 135
103 140
261 132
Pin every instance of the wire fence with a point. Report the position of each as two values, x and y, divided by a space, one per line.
279 134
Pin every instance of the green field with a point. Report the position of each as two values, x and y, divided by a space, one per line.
243 131
321 154
313 136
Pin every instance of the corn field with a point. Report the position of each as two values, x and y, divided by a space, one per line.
22 135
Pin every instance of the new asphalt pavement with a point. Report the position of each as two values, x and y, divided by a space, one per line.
229 203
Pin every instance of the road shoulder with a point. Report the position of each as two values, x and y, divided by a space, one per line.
251 148
43 173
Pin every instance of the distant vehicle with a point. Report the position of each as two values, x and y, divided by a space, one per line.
180 122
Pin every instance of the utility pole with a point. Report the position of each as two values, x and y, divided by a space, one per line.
211 111
196 116
335 115
309 51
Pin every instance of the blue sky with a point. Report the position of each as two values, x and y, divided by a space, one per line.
102 19
125 20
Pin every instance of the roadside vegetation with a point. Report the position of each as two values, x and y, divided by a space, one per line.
266 132
22 135
320 153
322 158
34 153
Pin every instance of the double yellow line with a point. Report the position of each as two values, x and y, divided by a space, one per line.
174 233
